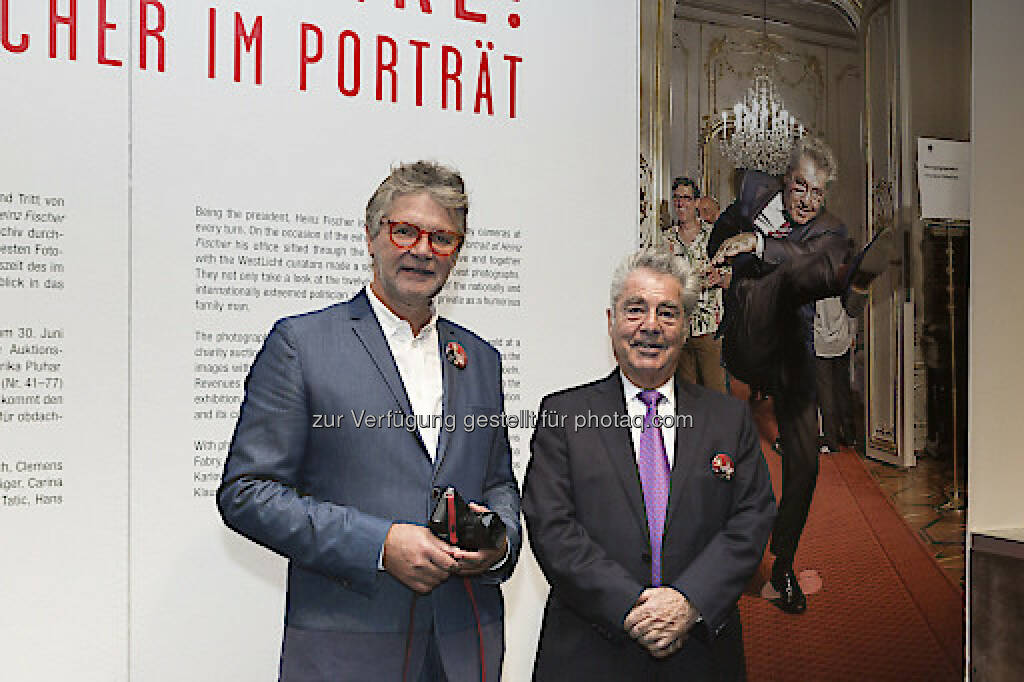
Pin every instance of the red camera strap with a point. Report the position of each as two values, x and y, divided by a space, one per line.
453 538
479 629
408 638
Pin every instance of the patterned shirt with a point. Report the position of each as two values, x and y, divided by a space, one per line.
707 314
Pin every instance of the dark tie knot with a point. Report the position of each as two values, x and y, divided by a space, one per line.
650 398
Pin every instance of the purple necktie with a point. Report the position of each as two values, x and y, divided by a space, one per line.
654 478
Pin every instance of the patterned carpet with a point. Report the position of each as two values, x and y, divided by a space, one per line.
886 611
918 493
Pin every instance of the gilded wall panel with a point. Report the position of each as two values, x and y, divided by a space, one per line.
883 181
730 56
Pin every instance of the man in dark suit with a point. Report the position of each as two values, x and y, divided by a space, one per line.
787 251
352 415
648 503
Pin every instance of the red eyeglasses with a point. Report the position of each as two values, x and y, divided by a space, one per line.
406 235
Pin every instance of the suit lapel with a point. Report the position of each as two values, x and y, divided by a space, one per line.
799 232
690 425
369 333
445 334
609 399
763 188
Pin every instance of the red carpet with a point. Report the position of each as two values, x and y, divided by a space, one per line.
886 610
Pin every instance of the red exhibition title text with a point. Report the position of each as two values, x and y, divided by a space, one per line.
450 77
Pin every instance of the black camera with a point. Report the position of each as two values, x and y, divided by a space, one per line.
454 522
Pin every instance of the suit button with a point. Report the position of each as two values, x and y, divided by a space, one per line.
646 557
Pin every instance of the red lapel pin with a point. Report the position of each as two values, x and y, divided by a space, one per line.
722 466
456 354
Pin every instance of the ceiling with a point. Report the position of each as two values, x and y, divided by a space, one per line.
839 19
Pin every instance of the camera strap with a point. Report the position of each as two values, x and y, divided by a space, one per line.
479 633
453 539
408 638
453 536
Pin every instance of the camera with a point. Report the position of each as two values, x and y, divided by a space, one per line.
454 522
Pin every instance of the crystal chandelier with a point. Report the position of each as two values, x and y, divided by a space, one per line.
758 133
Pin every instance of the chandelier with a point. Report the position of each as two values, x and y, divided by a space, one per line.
758 133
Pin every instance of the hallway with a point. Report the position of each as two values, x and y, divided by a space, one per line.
890 608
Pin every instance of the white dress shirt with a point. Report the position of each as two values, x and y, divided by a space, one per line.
770 222
834 330
636 409
419 364
666 407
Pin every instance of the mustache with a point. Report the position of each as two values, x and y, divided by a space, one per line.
648 340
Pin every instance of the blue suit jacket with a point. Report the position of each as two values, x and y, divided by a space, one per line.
304 480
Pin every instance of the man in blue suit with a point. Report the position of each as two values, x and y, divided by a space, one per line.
352 416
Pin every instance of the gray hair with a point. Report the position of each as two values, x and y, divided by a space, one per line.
659 261
441 183
819 153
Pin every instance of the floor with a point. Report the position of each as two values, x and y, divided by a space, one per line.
917 493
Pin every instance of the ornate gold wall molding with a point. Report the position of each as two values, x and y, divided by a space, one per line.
868 10
655 33
848 71
883 208
725 55
728 71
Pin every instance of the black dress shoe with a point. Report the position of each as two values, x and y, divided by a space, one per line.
791 598
862 270
870 262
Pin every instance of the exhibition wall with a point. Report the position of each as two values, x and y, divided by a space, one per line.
177 176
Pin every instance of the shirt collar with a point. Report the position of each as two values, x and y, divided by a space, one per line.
673 233
667 389
777 207
392 324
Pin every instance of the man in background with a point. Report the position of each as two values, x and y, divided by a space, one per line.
708 209
787 251
834 334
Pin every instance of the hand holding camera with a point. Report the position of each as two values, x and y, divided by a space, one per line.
476 533
417 558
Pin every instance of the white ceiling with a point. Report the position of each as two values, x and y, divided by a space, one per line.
831 19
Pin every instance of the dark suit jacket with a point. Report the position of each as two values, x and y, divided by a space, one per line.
824 232
584 510
757 189
303 480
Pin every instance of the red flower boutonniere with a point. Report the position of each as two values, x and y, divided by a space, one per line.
456 354
722 466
